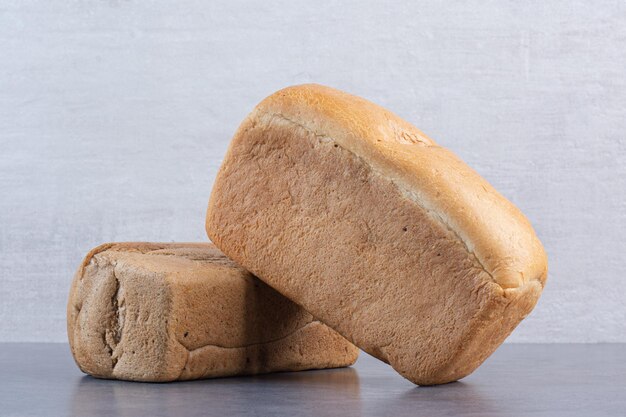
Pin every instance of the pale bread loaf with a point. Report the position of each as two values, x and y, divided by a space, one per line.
167 311
376 230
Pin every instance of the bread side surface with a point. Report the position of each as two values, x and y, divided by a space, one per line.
305 201
117 317
164 312
490 226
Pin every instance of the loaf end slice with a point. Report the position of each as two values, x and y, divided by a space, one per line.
379 232
165 312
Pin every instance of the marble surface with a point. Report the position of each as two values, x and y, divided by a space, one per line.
115 116
518 380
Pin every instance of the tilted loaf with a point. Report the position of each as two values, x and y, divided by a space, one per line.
380 233
169 311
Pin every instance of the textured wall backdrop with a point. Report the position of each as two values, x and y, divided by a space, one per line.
114 116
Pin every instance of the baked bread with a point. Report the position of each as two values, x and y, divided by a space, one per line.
377 231
169 311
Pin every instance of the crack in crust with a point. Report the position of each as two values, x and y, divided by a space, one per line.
191 352
110 335
247 345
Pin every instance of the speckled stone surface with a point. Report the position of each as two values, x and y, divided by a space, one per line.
518 380
115 116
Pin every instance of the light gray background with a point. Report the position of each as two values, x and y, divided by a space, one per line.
114 116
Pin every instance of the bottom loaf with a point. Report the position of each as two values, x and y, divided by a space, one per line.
166 311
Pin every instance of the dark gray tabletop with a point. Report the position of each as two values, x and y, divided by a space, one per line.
518 380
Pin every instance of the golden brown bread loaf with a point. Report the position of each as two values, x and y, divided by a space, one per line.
168 311
377 231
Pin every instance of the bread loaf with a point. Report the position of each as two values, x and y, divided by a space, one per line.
165 311
377 231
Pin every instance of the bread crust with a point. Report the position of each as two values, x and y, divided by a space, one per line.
487 223
377 231
178 311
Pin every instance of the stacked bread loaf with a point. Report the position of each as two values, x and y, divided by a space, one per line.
349 216
164 312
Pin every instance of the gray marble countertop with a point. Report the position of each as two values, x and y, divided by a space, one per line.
518 380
